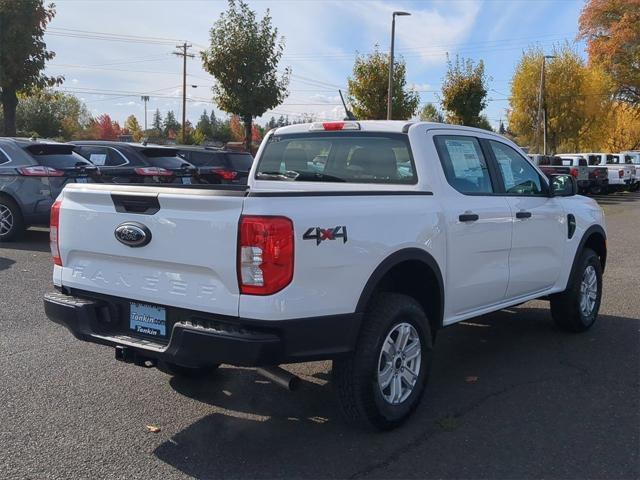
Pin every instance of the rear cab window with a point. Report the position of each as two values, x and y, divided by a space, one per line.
353 157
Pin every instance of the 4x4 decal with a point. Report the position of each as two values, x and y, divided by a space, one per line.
321 234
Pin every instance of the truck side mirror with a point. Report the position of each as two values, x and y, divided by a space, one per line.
563 186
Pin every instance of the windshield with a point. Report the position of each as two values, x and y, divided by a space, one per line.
240 162
338 157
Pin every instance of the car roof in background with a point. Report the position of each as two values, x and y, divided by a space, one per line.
199 148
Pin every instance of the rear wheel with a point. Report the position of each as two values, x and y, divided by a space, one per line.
11 222
576 309
381 383
186 372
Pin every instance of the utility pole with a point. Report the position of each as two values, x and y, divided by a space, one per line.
183 53
145 99
393 35
542 104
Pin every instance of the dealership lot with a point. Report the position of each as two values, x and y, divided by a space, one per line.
510 396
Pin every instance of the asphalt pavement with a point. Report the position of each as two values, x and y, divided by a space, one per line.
510 396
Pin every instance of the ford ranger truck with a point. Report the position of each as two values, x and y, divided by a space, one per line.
401 230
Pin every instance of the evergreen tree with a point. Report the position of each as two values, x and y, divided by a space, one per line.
157 122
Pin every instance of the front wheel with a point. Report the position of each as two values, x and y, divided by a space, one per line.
576 309
380 384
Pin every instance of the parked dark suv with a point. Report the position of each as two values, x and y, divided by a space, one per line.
217 165
32 175
136 163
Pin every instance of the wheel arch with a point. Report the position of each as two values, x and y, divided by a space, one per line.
410 271
594 238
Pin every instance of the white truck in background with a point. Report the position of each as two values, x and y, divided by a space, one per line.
402 229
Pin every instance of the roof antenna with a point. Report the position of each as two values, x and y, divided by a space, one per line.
350 115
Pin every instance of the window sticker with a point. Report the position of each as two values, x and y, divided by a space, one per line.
465 160
98 158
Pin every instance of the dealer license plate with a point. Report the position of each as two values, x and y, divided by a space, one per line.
148 319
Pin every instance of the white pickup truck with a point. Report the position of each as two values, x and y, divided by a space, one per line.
621 174
406 228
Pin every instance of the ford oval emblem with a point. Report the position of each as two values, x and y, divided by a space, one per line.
133 234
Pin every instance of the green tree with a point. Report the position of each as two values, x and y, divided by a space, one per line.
51 114
248 85
204 127
464 92
430 113
170 123
612 31
369 86
484 123
156 124
23 53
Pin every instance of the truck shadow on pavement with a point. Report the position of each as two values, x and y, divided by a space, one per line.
617 198
32 240
506 391
5 263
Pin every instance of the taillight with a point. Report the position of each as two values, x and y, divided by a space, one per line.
54 233
265 254
226 174
40 171
621 173
153 171
332 126
574 172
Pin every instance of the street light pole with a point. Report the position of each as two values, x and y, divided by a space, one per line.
145 99
542 105
390 89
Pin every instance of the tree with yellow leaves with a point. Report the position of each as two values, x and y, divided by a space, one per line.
578 100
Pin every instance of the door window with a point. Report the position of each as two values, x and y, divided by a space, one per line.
464 164
518 175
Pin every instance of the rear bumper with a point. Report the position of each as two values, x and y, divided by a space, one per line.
199 339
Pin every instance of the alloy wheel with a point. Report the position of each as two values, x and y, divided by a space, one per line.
588 291
6 220
399 363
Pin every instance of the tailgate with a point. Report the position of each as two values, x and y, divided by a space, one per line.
189 261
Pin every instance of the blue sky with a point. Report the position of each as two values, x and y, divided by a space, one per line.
322 38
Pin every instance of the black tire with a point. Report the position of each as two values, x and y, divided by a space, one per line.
566 307
186 372
597 190
355 378
12 215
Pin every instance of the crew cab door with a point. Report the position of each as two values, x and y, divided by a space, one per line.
478 227
539 223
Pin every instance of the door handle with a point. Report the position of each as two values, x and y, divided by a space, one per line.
468 217
523 215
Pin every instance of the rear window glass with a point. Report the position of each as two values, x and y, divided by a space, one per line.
343 157
56 156
206 159
163 158
594 159
240 162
